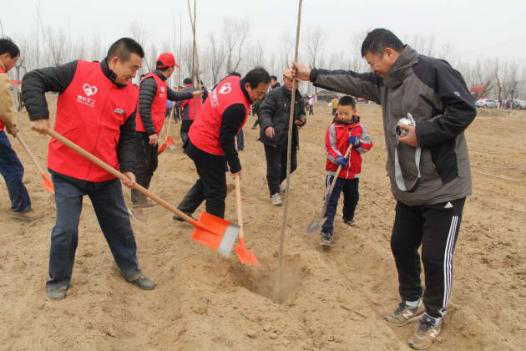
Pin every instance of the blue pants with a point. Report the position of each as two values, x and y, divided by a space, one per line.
113 217
349 187
13 172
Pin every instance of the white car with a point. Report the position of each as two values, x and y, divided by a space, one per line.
487 103
519 104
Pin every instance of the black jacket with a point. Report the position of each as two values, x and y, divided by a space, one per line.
36 83
147 91
274 112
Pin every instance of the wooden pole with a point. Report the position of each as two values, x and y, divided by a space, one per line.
289 152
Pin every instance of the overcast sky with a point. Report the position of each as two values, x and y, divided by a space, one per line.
473 28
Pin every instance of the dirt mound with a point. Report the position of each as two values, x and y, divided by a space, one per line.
332 300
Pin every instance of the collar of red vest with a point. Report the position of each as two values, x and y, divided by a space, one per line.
109 73
159 74
355 121
2 68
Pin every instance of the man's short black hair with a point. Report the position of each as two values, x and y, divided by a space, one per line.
347 100
188 81
378 39
273 77
255 77
234 73
124 47
9 47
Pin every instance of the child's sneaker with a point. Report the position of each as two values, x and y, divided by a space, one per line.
427 332
405 314
326 239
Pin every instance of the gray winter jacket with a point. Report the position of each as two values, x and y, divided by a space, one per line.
274 112
437 97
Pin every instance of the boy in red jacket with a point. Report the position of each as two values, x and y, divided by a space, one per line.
345 130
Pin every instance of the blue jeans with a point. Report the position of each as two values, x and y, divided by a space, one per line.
13 172
113 217
349 187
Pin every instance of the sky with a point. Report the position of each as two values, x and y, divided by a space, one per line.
473 29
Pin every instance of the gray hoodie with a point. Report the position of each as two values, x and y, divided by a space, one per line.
437 97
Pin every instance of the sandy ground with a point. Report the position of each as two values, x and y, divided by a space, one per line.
332 300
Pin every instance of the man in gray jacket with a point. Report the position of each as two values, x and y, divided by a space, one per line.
427 164
273 116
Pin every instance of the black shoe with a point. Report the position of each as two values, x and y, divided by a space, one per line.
142 282
349 222
326 240
180 219
57 292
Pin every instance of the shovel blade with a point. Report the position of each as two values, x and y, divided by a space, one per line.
245 255
47 183
314 226
162 148
219 235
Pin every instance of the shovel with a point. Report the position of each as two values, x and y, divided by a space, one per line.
210 230
46 180
317 222
168 140
244 255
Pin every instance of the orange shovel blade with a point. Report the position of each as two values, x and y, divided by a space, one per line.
219 235
162 148
169 141
245 255
47 183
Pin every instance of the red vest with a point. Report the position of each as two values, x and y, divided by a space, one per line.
204 132
337 138
193 105
158 110
90 113
2 70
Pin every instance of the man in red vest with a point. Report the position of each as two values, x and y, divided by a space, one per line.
211 140
189 109
153 94
96 110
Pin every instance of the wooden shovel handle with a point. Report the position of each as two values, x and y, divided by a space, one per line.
121 176
238 206
33 158
333 184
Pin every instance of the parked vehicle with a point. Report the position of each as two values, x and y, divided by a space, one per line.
487 103
518 104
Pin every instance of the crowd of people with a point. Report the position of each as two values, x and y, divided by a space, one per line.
100 110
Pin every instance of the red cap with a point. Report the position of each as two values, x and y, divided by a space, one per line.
165 60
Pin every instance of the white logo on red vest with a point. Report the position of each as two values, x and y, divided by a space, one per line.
225 89
89 89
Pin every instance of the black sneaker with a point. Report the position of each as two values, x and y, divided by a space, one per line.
326 240
405 314
427 332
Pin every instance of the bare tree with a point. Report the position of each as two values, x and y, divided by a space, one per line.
187 55
286 51
56 41
235 33
314 40
216 57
